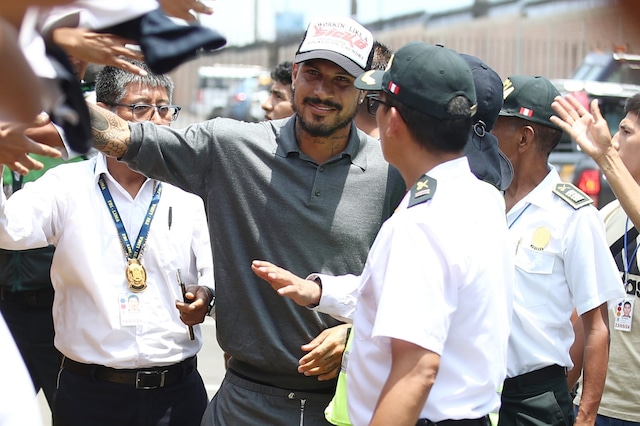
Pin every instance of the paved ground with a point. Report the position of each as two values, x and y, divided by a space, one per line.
210 364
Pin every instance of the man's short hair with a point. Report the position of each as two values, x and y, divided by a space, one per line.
381 56
111 82
632 104
282 73
434 133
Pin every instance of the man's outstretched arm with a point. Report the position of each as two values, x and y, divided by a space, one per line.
111 134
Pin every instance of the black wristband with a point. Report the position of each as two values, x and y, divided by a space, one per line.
318 281
212 302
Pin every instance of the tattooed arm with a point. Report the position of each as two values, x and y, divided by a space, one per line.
111 134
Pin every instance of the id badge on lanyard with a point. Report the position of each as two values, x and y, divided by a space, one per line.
624 309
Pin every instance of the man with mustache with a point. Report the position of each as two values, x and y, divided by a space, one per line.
310 191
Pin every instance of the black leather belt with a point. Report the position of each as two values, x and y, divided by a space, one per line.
484 421
534 378
144 378
33 298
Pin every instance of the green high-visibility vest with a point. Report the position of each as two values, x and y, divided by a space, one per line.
336 412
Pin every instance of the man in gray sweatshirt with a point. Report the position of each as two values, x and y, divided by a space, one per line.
310 192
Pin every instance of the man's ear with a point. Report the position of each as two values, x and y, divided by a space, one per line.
527 138
396 123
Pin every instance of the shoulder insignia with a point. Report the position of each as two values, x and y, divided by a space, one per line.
572 195
422 191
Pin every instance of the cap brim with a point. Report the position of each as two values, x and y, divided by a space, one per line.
370 80
347 64
504 113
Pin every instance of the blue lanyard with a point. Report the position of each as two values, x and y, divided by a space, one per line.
626 263
520 214
144 229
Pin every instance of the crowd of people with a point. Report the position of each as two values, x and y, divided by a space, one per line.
424 263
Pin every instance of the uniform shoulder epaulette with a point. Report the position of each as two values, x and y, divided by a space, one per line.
572 195
423 190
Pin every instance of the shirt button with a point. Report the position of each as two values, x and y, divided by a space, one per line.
317 193
291 395
321 169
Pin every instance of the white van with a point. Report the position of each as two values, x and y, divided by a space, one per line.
216 83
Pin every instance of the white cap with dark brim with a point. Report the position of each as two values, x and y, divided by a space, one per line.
340 40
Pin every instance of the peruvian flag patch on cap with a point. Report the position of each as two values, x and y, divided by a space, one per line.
393 88
526 111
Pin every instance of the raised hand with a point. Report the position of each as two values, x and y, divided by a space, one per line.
15 145
303 292
589 128
98 48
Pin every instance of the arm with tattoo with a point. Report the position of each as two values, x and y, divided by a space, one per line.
111 134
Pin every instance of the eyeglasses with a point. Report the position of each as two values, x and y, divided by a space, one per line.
144 112
373 103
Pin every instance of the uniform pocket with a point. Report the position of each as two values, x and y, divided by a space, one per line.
539 265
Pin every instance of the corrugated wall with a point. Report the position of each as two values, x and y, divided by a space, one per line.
552 45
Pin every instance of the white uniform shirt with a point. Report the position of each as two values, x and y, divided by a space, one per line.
19 404
439 275
65 207
562 262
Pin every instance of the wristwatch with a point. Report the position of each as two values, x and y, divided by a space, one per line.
212 303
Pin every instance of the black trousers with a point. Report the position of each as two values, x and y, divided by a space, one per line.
32 330
83 401
537 402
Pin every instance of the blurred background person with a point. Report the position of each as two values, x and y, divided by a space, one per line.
278 104
363 119
619 159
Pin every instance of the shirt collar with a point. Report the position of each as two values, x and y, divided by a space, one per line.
101 167
542 194
288 144
442 172
450 169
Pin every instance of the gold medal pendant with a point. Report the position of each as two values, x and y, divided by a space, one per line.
136 275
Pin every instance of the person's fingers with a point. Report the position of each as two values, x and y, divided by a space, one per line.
24 164
184 14
200 7
128 66
330 374
181 8
42 149
125 51
560 123
572 107
42 119
595 110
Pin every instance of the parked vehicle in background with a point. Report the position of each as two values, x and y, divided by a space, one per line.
246 101
611 78
613 67
216 83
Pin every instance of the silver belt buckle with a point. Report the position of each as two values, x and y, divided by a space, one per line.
141 375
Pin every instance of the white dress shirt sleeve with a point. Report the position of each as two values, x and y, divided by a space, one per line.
339 295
